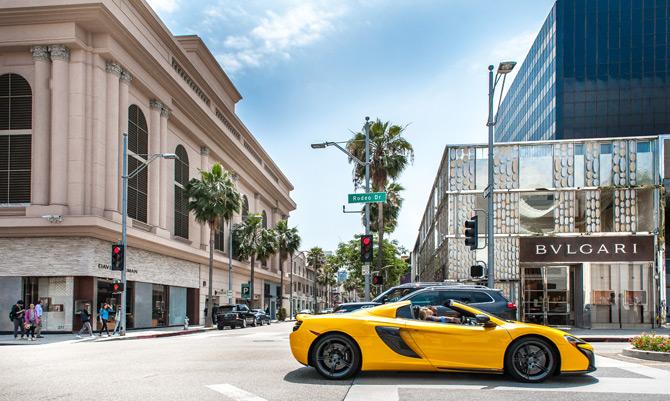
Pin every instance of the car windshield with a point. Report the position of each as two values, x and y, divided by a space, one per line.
226 308
394 294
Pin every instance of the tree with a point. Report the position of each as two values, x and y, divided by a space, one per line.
389 155
391 209
316 258
255 242
213 199
328 278
288 242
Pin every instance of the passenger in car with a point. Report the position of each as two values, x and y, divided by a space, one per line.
430 314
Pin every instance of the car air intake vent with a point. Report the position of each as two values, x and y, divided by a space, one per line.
297 325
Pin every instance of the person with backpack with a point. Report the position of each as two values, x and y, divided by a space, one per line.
85 320
30 321
16 316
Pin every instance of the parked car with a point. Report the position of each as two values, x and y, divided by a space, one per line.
479 296
327 310
261 317
235 315
393 294
306 311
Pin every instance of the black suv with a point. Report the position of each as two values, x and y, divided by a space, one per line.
234 316
479 296
393 294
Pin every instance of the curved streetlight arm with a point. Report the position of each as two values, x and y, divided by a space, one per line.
152 158
343 149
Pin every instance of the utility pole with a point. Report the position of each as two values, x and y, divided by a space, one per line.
366 129
489 192
124 218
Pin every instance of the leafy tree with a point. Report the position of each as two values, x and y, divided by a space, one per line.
288 242
255 242
390 153
213 199
391 209
316 258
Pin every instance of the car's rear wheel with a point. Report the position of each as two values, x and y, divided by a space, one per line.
336 356
530 360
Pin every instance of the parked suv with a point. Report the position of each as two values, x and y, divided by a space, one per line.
479 296
234 316
393 294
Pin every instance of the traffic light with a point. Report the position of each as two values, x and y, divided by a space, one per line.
377 280
471 233
117 257
117 288
476 271
366 249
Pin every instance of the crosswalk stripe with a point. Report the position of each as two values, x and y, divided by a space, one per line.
235 393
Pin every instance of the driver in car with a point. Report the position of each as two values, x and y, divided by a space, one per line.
430 314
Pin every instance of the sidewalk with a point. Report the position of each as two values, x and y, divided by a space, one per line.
614 335
8 339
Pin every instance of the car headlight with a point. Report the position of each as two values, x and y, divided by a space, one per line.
573 340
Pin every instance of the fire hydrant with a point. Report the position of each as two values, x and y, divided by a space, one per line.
186 323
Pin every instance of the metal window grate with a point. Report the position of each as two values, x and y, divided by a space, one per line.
138 140
15 147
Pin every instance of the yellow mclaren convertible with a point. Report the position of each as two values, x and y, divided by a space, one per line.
451 338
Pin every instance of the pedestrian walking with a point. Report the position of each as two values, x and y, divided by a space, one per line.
30 321
103 313
16 316
85 320
117 321
39 311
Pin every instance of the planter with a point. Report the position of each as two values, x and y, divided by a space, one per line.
648 355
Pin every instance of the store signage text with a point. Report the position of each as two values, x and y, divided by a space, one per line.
105 266
587 249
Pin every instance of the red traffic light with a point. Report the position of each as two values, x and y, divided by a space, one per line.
116 250
115 286
366 240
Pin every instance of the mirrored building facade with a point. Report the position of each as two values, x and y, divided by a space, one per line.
596 69
578 228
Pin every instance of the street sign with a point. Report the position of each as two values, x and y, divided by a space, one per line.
246 291
368 197
229 293
366 270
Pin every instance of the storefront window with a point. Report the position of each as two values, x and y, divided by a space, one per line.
645 164
620 295
579 165
536 211
177 305
645 210
606 210
535 166
606 164
159 304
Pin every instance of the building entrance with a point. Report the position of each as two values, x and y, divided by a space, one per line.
546 295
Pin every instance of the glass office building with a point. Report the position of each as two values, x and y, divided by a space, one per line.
578 228
598 68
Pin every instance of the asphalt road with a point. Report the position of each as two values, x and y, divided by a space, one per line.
255 364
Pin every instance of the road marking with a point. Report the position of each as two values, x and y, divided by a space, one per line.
235 393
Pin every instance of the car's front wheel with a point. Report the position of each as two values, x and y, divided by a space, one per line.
530 360
336 356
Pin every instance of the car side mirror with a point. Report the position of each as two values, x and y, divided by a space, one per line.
485 320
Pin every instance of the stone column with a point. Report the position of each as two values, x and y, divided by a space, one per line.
99 139
155 188
76 132
60 87
204 228
124 88
164 171
41 126
112 138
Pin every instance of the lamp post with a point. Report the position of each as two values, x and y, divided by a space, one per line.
366 164
504 68
124 215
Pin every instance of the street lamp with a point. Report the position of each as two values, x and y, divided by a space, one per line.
124 215
504 68
366 164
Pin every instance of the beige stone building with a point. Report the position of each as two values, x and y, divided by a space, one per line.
74 76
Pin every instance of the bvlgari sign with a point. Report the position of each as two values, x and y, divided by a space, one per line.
629 248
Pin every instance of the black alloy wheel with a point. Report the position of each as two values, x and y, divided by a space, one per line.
530 360
336 357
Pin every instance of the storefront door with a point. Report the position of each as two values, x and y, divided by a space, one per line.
546 295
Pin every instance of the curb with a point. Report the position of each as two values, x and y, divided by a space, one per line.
157 335
648 355
606 339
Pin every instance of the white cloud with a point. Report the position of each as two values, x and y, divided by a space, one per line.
277 34
167 6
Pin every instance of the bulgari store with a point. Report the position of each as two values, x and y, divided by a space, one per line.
579 234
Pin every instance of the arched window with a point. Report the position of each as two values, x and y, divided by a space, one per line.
15 139
138 140
180 197
245 207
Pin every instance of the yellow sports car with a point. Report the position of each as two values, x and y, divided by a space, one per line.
452 338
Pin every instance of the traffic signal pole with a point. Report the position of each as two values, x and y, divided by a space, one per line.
124 218
366 128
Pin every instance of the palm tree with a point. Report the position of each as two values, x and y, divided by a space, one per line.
389 155
288 242
213 199
255 242
316 258
391 211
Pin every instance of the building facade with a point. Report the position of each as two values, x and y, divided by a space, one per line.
579 234
596 69
304 286
75 76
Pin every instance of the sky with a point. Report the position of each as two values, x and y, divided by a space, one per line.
310 71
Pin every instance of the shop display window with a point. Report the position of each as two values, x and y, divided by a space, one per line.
620 294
